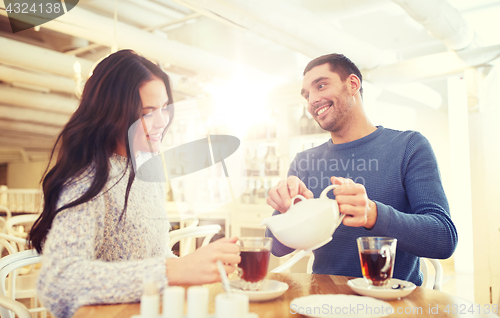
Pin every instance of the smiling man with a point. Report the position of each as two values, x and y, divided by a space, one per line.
390 182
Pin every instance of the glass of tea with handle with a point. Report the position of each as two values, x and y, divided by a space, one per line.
255 253
377 255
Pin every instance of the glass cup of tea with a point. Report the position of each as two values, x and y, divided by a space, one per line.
255 253
377 255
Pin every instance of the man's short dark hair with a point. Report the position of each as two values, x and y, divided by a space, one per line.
339 64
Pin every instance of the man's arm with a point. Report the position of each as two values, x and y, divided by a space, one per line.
427 229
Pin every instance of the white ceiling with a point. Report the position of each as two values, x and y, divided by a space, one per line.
207 42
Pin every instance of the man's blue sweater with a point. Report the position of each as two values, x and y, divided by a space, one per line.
400 174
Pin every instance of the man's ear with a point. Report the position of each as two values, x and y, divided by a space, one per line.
353 84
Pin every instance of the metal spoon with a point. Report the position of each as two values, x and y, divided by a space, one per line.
398 286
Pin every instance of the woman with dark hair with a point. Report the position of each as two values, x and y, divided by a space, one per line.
103 232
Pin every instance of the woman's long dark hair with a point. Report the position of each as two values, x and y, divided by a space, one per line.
110 104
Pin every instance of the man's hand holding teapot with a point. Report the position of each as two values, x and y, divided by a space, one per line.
280 197
354 203
350 196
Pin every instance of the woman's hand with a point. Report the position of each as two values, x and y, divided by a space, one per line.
200 267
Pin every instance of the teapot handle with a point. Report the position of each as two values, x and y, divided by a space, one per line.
342 216
325 191
323 196
298 196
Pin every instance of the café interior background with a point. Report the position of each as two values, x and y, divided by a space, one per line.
428 65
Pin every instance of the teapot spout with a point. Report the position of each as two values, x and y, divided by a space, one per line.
274 223
265 222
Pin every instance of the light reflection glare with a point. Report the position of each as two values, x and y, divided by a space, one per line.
240 104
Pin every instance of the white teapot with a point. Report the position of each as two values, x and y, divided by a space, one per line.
307 225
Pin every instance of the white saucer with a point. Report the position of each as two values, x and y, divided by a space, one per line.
270 289
340 306
360 286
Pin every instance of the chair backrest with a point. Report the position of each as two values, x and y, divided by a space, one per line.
191 222
10 304
17 220
5 209
12 243
310 262
438 270
9 264
294 259
3 220
206 231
